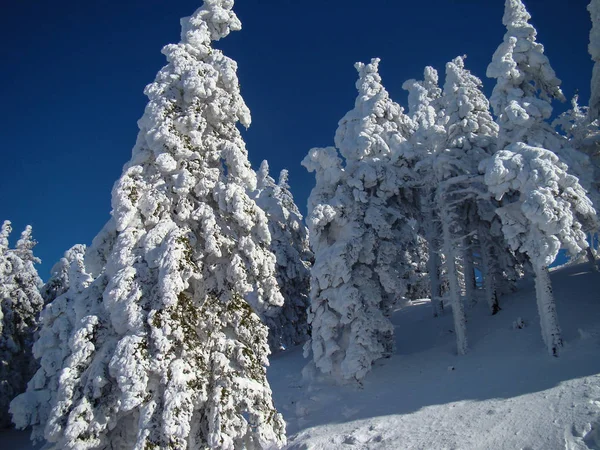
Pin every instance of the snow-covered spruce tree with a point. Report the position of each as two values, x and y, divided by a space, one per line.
581 134
169 352
58 283
53 346
470 134
21 304
356 223
471 137
526 85
594 49
549 210
288 325
425 109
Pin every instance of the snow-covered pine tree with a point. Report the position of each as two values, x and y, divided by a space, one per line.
594 49
580 133
356 223
57 322
425 110
548 210
168 351
525 83
525 87
288 324
546 207
58 283
584 136
20 306
471 137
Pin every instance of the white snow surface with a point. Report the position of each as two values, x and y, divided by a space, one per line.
506 393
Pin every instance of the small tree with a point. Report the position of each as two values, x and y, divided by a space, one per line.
58 321
59 281
288 324
21 304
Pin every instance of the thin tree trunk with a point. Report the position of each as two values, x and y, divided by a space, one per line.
488 271
590 254
547 310
458 312
433 262
433 267
470 286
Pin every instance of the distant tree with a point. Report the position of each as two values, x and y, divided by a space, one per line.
288 324
594 49
60 317
168 350
581 134
356 222
20 304
58 283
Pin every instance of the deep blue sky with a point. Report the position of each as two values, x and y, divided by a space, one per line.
73 73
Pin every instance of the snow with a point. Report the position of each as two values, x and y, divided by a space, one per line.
507 393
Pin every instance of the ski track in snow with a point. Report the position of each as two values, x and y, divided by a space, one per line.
506 393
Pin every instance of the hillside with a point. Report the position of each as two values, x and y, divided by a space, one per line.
507 393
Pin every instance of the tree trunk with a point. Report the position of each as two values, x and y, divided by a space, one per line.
433 262
470 286
433 267
488 271
590 254
458 311
547 310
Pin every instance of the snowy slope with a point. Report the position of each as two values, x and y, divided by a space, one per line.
506 393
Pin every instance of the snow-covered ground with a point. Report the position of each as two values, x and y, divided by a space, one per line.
506 393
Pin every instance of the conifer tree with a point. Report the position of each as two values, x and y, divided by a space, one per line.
525 83
20 305
168 350
58 283
288 325
425 109
549 210
471 137
529 169
594 49
60 317
355 222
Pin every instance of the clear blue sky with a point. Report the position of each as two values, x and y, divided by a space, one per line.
73 73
